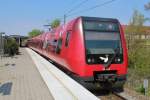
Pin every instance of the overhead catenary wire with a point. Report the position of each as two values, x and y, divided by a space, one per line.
77 6
84 10
91 8
69 11
74 8
61 18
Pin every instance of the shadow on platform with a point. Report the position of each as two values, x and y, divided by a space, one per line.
5 88
7 64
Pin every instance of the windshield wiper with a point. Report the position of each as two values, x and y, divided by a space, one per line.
116 51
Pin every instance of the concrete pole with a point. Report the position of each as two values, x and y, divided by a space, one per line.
2 42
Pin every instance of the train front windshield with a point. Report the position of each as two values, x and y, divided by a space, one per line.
101 39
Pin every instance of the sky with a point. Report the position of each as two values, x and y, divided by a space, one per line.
18 17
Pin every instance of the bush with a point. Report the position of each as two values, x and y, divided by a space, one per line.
11 47
140 89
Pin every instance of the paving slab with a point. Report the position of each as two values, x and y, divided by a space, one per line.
20 79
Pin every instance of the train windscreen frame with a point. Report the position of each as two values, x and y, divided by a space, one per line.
102 38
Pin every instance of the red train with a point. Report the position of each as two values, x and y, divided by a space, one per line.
91 49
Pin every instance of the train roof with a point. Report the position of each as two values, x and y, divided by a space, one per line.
98 19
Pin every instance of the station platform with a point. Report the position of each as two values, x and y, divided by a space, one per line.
28 76
20 79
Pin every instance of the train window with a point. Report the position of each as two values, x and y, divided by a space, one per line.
67 39
59 46
101 26
102 37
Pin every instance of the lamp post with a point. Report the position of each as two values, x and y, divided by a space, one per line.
1 44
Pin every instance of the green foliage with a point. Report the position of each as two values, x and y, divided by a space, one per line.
139 59
139 65
11 47
148 92
55 23
140 89
34 33
138 19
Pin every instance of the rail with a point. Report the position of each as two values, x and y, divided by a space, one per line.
124 96
113 95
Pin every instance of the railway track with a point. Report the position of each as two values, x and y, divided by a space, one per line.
112 96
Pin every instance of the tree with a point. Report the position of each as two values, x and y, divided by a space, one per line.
55 23
138 19
34 33
147 6
136 23
11 47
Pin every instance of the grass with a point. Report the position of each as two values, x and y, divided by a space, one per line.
147 42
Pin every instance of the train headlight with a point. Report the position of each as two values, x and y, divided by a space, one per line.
89 60
118 60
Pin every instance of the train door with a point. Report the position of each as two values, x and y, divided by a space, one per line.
63 38
67 39
66 44
59 46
